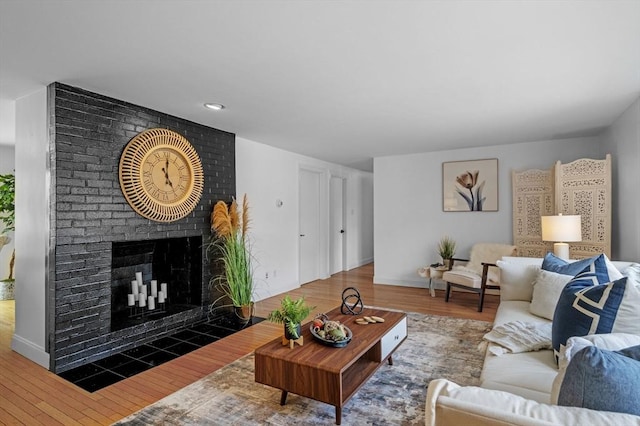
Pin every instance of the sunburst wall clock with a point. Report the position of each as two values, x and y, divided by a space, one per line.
161 175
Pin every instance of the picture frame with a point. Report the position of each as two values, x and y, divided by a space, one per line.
470 185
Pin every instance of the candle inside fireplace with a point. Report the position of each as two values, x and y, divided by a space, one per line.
130 300
152 303
134 286
163 288
160 297
154 288
142 302
139 277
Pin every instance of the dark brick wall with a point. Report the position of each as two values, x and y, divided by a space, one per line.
89 212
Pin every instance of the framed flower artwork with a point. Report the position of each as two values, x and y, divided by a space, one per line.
470 186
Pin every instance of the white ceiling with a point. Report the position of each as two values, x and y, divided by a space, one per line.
342 81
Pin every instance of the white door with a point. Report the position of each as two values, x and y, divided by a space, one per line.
336 225
309 238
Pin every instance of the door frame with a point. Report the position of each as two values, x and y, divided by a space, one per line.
323 219
343 255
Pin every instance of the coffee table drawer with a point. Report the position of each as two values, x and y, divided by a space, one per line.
393 338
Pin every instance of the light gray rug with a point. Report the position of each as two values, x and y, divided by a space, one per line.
436 347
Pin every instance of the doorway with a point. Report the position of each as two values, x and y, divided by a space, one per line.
336 225
309 226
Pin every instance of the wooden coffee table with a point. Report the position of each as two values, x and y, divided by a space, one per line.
328 374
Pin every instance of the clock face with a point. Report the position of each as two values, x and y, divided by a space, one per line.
166 175
161 175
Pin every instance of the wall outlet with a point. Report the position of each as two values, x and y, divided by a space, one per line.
266 275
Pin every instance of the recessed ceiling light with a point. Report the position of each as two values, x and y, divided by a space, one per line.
215 107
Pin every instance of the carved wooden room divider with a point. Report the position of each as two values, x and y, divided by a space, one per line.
581 187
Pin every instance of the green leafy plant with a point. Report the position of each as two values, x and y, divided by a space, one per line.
446 248
8 201
231 247
291 314
8 212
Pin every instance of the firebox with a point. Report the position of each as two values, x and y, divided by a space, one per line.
153 279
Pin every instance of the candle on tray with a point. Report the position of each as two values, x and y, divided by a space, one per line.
160 297
139 277
130 300
152 303
154 288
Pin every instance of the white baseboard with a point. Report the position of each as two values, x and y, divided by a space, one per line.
359 263
409 282
30 350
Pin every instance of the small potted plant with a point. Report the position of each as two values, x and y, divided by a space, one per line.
7 218
446 249
291 314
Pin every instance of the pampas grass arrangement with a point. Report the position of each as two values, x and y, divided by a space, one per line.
230 228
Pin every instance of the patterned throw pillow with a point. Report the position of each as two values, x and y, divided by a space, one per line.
590 304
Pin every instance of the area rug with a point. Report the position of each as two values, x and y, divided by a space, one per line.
436 347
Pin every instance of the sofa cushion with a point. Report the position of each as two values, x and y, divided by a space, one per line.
528 374
587 307
610 341
516 280
547 288
603 380
448 403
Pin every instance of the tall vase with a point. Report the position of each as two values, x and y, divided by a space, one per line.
245 312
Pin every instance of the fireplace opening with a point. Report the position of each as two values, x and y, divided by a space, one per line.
153 279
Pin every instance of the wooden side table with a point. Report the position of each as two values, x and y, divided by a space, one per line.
432 273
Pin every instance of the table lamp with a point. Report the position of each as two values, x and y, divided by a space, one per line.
561 229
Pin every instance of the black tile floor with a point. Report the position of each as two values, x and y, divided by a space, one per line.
107 371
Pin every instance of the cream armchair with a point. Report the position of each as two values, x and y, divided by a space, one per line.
480 271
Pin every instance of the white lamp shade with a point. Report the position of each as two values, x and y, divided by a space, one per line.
561 228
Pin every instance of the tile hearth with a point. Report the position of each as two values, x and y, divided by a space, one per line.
107 371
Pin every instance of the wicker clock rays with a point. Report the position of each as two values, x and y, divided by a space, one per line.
161 175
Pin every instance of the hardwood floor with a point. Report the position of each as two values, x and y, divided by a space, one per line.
31 395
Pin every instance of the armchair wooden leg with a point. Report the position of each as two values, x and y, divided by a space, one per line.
481 301
446 295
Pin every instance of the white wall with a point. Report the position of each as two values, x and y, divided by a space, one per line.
408 215
622 140
32 226
267 174
7 165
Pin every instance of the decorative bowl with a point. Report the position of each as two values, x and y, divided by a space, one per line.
333 343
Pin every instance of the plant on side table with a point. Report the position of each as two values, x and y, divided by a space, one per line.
291 314
7 218
232 250
446 249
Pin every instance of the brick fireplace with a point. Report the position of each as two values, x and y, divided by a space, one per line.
91 222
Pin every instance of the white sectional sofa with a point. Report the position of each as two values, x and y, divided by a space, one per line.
514 388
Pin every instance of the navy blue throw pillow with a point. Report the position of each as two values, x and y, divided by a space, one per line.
603 380
587 307
553 263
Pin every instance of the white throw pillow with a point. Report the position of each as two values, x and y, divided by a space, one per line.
516 280
610 342
547 288
633 274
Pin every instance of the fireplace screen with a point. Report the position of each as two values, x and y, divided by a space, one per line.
154 278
